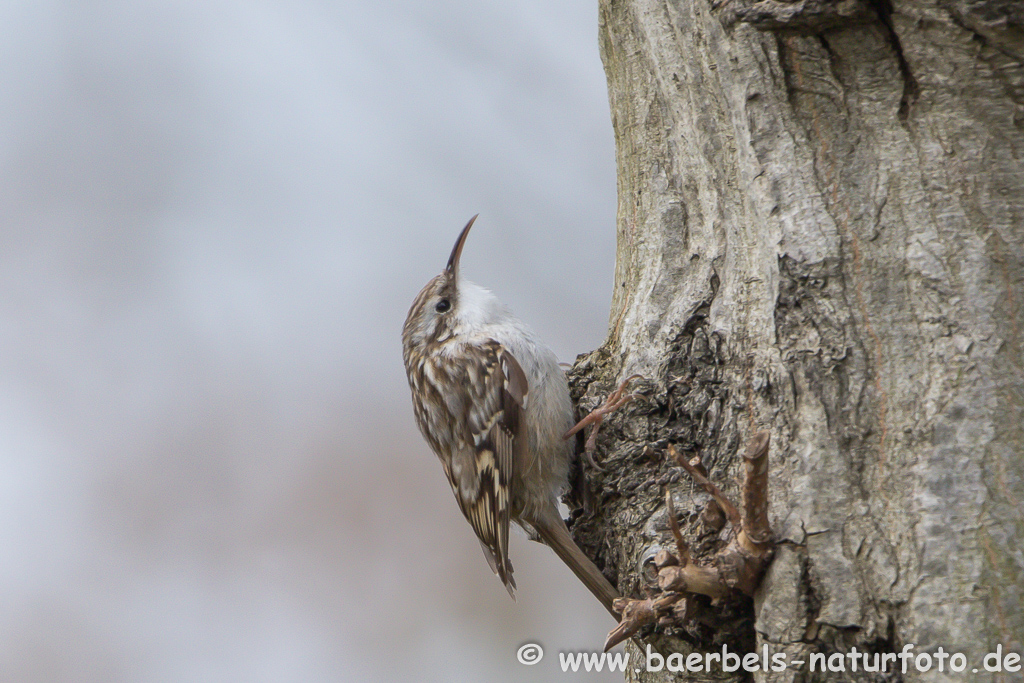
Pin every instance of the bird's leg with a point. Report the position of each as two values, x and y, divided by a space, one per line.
615 400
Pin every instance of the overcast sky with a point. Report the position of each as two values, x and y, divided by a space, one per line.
215 217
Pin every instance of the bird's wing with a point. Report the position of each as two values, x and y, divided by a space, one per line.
496 426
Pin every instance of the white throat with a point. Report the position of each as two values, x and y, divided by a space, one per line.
477 307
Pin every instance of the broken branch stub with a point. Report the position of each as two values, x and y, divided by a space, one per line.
738 567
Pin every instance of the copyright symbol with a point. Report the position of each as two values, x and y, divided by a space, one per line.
530 654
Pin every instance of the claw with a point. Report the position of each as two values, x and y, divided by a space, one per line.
614 401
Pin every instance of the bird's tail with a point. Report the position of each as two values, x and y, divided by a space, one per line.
556 535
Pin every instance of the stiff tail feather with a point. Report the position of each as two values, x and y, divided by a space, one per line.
555 534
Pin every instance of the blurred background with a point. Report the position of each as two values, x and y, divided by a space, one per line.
214 218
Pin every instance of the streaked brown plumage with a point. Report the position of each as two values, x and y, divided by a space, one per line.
493 404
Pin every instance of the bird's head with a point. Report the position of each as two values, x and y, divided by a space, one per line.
448 303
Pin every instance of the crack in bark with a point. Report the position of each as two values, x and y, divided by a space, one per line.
911 88
804 16
986 21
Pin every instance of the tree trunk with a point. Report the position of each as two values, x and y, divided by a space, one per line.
820 235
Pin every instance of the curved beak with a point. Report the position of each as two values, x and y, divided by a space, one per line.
453 260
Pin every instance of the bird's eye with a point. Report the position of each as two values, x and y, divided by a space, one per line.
443 305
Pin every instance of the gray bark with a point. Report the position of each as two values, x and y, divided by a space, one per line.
821 233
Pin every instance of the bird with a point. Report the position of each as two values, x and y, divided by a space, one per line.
493 404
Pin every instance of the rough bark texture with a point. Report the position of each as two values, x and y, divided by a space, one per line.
821 233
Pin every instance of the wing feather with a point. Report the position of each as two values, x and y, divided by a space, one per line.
495 421
479 434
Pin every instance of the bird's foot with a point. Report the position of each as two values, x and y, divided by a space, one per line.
615 400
